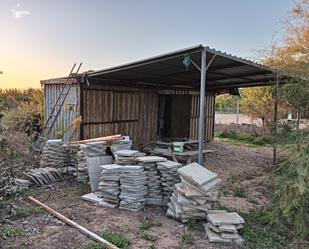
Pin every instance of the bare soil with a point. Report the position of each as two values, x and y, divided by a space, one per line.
247 168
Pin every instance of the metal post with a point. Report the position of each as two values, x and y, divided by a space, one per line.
275 121
201 126
237 111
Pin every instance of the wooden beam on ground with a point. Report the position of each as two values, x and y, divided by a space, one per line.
98 139
75 225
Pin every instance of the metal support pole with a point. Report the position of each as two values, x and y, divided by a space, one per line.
237 112
201 126
275 121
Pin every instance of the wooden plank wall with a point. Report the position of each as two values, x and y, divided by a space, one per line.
68 113
209 116
195 109
110 110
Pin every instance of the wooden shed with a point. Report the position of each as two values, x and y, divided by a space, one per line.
152 98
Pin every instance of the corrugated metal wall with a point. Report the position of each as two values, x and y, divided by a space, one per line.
113 109
68 113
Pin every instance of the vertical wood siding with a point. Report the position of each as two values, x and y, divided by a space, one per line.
110 110
209 116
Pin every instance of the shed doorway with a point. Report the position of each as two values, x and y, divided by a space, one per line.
174 116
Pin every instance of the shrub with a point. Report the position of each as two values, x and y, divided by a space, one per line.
291 198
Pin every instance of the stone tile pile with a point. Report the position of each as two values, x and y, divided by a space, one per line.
169 176
43 176
54 154
127 157
73 152
123 144
93 149
155 190
223 226
23 183
109 185
194 194
133 185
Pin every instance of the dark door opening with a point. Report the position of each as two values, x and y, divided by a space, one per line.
174 116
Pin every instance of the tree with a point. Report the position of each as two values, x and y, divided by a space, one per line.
226 103
258 103
291 56
291 198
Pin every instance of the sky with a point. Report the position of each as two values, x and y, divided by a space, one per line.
42 39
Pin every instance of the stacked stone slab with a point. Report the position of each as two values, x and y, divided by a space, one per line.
223 226
93 149
133 185
169 176
126 157
55 154
123 144
43 176
109 185
194 194
155 190
73 152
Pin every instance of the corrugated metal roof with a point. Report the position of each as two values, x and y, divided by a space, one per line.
226 71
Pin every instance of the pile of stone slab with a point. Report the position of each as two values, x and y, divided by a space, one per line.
194 194
169 176
223 226
127 157
94 169
109 185
155 190
93 149
23 183
73 152
43 176
123 144
54 154
133 185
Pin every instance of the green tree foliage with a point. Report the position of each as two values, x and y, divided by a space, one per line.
258 102
22 110
291 198
291 55
226 103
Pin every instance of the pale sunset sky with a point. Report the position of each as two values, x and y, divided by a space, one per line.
41 39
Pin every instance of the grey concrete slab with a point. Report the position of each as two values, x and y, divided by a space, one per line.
94 169
219 219
197 174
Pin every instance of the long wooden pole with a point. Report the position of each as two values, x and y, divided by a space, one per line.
98 139
80 228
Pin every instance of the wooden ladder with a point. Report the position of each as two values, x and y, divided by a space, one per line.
37 147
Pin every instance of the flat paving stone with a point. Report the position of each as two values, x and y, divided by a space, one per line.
197 174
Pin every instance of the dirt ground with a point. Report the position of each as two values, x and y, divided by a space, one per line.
238 167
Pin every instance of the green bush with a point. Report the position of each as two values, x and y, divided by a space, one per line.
291 198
